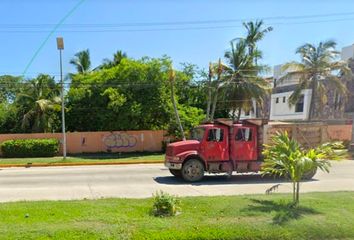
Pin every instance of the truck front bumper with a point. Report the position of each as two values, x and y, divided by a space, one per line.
172 165
176 166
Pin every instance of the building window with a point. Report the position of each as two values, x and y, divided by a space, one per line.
244 135
277 100
284 99
215 135
299 107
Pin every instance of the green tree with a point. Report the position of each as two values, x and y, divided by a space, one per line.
133 95
318 70
9 86
285 157
82 61
9 118
38 103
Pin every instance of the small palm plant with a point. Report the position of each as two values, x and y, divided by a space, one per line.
286 158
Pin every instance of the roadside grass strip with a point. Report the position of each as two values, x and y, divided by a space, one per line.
319 216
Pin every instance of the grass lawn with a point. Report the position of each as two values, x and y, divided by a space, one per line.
89 158
320 216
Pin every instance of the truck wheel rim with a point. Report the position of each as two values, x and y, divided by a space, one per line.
193 171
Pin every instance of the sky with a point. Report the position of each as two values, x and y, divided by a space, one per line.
193 31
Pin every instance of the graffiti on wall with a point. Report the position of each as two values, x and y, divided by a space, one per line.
120 140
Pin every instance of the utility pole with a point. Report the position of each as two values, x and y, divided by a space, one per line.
60 46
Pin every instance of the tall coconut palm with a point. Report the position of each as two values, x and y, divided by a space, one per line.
117 58
82 61
40 100
218 69
255 33
242 78
318 70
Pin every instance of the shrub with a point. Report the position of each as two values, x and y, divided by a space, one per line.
30 148
165 204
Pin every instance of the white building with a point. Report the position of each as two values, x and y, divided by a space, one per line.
279 103
281 110
279 106
251 114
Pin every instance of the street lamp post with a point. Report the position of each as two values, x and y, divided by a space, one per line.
60 46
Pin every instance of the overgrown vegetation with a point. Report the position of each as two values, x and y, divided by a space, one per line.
30 148
321 216
165 205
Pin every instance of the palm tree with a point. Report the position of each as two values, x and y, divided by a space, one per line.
82 61
285 157
255 33
241 77
40 100
318 70
117 58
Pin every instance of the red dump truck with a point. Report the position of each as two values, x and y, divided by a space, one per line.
219 147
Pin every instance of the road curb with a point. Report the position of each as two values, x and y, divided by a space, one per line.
77 164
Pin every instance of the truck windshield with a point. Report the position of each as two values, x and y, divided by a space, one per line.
198 134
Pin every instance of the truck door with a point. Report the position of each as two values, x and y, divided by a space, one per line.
215 145
245 143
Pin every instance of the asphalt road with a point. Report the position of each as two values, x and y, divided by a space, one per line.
141 181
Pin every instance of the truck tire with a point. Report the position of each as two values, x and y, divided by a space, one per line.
193 170
309 175
176 173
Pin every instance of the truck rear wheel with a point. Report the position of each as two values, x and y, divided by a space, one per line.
193 170
176 173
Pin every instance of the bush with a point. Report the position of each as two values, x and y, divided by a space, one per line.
30 148
165 204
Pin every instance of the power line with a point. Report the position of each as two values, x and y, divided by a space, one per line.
172 29
213 21
110 30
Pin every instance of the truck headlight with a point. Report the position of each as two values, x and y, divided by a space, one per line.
176 158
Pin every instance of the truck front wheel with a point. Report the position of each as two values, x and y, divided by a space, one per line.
193 170
176 173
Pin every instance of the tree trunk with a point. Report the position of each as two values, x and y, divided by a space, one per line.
175 107
294 192
312 103
297 193
209 96
214 103
239 114
233 114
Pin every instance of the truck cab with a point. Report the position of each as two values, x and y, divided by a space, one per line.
218 147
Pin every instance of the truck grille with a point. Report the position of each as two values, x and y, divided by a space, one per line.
169 151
